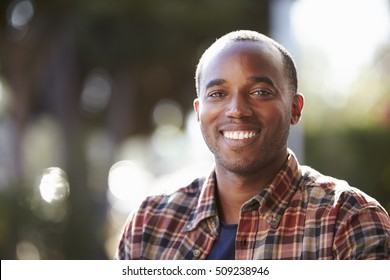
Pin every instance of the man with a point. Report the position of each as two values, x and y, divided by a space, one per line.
258 202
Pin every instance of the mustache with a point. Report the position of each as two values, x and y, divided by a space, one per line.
244 124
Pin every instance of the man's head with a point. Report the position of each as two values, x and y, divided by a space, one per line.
248 35
247 99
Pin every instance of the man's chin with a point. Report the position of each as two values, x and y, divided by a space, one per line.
241 168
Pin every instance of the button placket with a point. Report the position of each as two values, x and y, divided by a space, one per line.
197 253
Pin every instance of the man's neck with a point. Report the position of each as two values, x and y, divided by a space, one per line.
233 190
232 193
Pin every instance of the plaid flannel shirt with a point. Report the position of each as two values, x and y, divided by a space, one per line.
302 214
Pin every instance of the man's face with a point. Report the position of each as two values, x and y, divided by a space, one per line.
245 107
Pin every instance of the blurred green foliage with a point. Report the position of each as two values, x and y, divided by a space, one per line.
357 155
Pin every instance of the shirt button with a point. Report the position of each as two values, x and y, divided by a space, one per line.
197 253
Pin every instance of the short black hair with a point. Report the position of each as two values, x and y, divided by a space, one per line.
248 35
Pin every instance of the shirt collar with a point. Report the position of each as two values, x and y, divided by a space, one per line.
274 199
271 201
206 206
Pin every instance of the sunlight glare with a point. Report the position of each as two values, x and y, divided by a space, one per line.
127 180
347 32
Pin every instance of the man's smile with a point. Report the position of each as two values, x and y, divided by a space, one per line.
239 135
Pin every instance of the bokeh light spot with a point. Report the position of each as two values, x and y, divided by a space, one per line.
167 113
97 91
54 186
127 180
20 13
25 250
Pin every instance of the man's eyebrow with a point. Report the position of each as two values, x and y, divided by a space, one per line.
261 79
215 82
255 79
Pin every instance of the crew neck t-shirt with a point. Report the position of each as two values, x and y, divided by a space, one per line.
224 246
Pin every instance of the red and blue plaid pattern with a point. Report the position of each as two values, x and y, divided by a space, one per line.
302 214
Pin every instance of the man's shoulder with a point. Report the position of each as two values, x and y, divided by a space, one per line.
324 188
313 179
173 198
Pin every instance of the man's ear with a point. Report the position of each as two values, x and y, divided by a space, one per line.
196 108
297 107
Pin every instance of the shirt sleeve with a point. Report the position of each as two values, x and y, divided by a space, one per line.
363 234
129 246
124 246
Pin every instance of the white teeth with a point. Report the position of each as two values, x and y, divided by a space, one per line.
239 135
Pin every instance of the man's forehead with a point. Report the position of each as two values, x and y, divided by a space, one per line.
234 48
248 50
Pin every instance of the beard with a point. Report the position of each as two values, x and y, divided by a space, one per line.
267 153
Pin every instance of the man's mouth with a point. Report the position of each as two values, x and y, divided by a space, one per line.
239 135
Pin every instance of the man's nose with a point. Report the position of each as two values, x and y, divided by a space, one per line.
238 107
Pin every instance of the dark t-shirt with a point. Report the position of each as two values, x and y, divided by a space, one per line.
224 246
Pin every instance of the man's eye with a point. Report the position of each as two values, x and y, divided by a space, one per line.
216 94
261 92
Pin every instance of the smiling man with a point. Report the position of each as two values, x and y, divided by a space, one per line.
258 202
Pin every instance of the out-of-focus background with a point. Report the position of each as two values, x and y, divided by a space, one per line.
96 106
